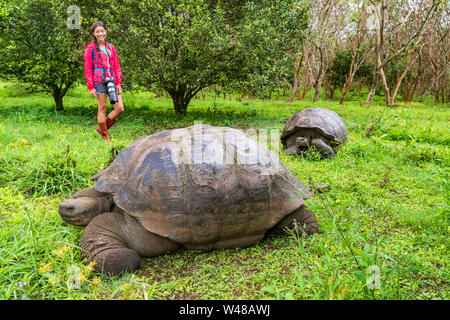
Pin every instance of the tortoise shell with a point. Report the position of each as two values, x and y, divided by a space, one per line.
202 185
325 122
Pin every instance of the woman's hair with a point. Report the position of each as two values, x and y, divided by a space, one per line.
93 27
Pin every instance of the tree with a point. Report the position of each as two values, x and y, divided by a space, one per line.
358 52
39 48
327 21
391 22
185 46
297 76
347 68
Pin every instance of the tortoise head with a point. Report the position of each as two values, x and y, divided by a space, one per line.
80 211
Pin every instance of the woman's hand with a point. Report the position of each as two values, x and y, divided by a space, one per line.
119 90
94 93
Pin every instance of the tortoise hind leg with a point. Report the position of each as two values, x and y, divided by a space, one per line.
302 220
145 243
115 241
324 149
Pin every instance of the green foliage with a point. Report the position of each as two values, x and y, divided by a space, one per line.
387 205
189 45
38 48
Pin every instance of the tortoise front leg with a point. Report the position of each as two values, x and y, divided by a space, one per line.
115 242
302 220
324 149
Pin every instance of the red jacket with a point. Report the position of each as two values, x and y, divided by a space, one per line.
93 70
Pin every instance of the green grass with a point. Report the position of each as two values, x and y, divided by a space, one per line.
388 205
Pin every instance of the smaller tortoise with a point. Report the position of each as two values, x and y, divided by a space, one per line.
318 127
153 199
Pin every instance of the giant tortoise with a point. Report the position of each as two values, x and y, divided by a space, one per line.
315 126
200 187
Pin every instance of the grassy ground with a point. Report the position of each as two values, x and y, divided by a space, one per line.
383 224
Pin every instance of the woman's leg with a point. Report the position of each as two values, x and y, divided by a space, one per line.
102 128
102 103
118 108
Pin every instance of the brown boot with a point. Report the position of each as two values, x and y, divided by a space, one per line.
109 122
103 131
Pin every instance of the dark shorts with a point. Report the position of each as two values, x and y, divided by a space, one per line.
100 88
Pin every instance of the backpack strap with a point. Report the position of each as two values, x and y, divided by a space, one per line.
93 58
109 58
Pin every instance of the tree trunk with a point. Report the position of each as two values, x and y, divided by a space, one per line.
293 91
203 95
288 85
387 96
58 101
351 73
423 90
332 92
319 79
305 90
300 85
317 89
373 87
400 79
344 91
326 88
249 94
297 76
217 90
411 88
437 91
58 94
181 99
